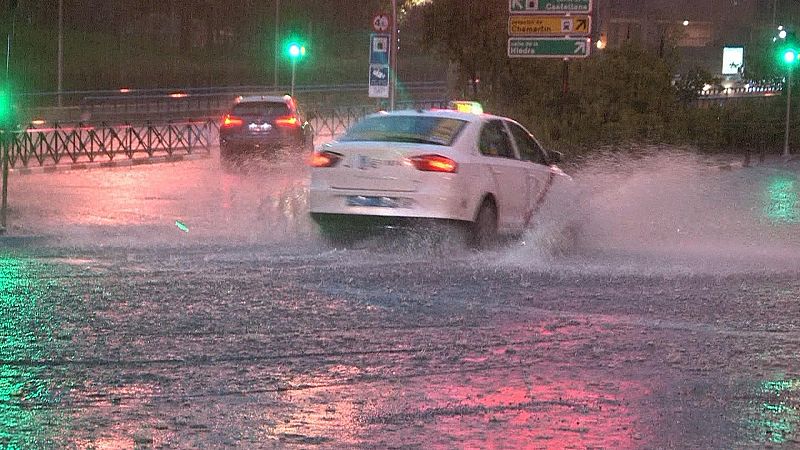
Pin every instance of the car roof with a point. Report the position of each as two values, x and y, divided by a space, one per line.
447 113
264 98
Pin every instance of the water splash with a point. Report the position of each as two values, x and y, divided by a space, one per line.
665 210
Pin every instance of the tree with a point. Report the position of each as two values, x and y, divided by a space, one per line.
470 34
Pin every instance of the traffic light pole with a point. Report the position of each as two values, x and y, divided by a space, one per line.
788 114
294 63
4 155
277 43
4 133
393 58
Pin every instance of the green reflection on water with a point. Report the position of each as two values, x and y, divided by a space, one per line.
778 416
782 205
24 384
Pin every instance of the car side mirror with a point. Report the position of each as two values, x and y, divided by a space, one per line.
556 157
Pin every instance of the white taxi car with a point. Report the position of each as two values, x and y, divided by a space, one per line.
485 172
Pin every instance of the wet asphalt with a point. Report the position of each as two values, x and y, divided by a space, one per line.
671 322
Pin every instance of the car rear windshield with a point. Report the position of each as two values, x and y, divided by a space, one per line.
418 129
261 109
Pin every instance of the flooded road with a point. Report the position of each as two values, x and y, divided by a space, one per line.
672 322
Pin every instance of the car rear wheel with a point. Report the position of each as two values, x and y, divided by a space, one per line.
483 231
334 229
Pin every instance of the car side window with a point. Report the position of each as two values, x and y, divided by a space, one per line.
529 149
494 140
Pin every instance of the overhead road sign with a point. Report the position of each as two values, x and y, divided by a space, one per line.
533 47
529 25
549 6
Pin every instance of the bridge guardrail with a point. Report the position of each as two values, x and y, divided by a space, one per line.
191 103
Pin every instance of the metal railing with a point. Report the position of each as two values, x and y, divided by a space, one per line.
98 143
85 143
331 122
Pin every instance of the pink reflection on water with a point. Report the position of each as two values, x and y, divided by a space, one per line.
140 204
514 395
121 403
533 411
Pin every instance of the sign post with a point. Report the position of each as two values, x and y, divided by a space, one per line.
379 58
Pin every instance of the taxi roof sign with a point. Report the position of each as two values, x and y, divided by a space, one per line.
466 106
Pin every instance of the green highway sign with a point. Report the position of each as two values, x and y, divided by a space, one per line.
549 6
533 47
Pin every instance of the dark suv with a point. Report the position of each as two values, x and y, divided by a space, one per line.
261 126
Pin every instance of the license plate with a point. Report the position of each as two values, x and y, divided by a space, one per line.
380 202
259 128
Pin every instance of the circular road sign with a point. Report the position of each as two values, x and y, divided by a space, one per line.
380 22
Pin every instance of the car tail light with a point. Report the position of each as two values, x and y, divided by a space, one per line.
287 122
325 159
230 121
434 163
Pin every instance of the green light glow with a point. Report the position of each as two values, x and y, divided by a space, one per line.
783 205
789 56
6 107
778 416
15 310
24 332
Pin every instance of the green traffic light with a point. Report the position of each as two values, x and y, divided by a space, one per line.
790 56
6 107
296 50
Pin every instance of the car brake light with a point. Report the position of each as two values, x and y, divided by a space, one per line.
325 159
434 163
230 121
287 122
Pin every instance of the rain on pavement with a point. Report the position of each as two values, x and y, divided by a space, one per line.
181 306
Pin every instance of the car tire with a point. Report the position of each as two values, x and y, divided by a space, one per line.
483 231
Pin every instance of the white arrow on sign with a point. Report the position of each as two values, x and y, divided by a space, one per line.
580 48
517 5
